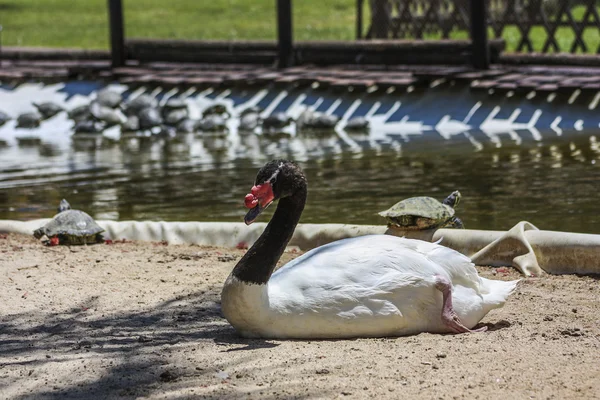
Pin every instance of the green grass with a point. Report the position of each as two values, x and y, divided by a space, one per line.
54 23
84 23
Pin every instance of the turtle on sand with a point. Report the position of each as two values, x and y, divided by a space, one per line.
420 213
70 227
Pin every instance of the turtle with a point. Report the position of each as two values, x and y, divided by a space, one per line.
250 119
106 114
212 123
175 103
420 213
4 118
304 118
109 98
80 113
216 109
70 227
186 125
149 118
89 126
29 120
174 116
48 109
134 106
131 125
357 124
323 121
277 120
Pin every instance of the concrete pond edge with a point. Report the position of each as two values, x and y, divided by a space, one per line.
524 246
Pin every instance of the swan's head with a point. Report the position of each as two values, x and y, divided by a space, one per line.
276 180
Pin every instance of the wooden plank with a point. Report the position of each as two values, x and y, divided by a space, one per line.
234 79
11 74
359 84
483 85
506 86
510 78
287 79
547 87
399 83
170 80
126 71
544 78
591 87
203 80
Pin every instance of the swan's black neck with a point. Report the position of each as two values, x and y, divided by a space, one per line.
260 260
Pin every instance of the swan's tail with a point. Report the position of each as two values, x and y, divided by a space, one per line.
495 293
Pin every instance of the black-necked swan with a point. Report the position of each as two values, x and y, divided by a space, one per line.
369 286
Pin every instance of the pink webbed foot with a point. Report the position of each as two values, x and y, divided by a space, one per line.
449 316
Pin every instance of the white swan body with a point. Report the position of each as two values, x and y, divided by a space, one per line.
377 285
369 286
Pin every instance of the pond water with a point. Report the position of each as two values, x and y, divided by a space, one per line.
543 177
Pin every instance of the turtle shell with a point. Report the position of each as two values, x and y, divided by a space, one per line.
277 120
215 109
29 120
4 118
72 223
357 124
48 109
134 106
249 121
418 213
109 98
175 103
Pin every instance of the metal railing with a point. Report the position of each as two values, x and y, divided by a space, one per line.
286 50
537 25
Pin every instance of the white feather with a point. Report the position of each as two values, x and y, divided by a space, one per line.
376 285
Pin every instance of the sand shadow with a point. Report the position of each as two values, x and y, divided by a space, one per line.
131 344
247 344
495 326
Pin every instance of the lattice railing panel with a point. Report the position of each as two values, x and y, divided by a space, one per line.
527 25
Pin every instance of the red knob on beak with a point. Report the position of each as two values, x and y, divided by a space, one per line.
250 201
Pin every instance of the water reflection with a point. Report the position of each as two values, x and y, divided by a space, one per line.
187 177
510 160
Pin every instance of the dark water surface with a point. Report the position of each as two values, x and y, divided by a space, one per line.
552 183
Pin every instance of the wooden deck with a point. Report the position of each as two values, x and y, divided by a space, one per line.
372 78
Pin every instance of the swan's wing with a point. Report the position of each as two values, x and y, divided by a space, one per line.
374 271
459 267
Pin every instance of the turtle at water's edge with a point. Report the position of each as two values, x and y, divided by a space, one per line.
70 227
420 213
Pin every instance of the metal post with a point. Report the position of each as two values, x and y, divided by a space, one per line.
480 52
0 46
284 33
117 37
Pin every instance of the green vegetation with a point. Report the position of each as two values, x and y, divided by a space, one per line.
54 23
84 23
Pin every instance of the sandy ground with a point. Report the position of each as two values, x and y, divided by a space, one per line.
142 320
